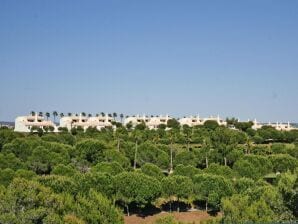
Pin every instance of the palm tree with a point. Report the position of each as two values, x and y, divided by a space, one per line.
55 114
102 114
115 115
48 115
110 115
121 117
83 114
61 115
40 114
32 113
69 114
89 115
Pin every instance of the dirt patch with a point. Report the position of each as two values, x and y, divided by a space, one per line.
186 217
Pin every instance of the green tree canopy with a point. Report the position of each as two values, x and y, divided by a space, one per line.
91 150
212 188
253 166
28 202
186 170
152 170
211 125
177 187
149 153
283 162
173 123
224 171
112 168
136 187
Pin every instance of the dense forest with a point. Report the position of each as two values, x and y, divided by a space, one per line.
99 176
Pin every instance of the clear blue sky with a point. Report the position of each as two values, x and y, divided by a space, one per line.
233 58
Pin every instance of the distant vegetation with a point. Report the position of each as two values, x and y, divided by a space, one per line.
99 176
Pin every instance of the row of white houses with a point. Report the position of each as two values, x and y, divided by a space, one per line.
278 126
27 123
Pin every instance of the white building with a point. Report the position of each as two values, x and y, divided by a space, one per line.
26 123
256 125
154 122
194 121
278 126
151 122
135 120
282 126
98 122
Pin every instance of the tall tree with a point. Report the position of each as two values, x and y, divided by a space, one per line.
224 140
187 131
55 114
176 186
121 118
137 137
47 115
136 187
115 115
206 146
26 201
211 188
173 123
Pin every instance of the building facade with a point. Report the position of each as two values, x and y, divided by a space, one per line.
278 126
29 123
84 122
151 122
196 120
